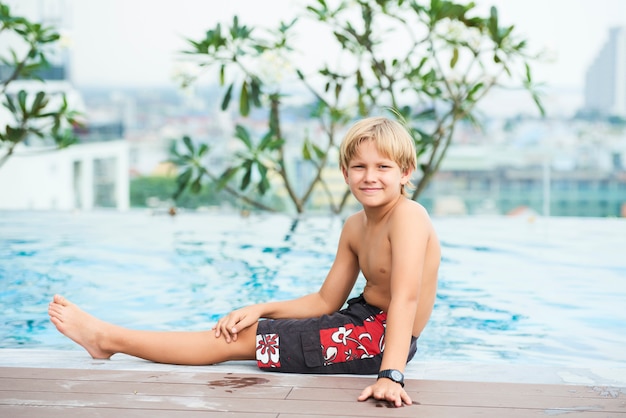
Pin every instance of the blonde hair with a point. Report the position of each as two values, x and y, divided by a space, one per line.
391 138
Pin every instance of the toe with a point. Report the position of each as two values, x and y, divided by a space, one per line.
60 300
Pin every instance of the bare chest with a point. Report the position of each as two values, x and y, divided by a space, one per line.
374 253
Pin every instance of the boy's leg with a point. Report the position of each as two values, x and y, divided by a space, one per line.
102 339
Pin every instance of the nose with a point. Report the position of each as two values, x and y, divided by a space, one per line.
370 175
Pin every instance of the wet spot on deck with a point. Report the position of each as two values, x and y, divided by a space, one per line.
382 404
238 382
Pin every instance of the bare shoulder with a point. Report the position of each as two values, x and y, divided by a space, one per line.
354 221
411 213
353 225
412 231
411 224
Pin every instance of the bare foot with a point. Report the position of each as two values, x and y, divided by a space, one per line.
82 328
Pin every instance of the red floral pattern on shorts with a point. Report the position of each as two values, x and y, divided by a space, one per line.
268 350
352 342
338 345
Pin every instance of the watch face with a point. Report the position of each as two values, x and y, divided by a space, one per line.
396 375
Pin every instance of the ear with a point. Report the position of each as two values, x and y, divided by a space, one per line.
406 176
344 171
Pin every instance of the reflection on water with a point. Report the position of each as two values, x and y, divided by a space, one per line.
544 292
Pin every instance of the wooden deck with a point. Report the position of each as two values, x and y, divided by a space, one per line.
46 392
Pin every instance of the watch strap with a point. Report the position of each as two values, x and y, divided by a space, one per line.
393 375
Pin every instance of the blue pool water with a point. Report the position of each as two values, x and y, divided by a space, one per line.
547 291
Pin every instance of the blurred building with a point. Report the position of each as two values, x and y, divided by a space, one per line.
90 174
605 83
550 168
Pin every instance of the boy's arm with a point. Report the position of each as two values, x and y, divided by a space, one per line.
333 292
330 298
409 235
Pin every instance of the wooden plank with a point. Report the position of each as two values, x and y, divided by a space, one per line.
31 392
83 412
277 379
455 412
510 400
347 406
205 403
232 387
523 389
298 410
297 380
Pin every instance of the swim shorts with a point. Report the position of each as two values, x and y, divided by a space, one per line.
350 341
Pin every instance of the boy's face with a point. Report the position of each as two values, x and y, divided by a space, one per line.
373 178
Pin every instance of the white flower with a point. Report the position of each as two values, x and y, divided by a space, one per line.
340 335
273 68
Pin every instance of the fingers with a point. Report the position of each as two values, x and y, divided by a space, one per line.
395 396
366 394
406 398
228 327
223 330
396 399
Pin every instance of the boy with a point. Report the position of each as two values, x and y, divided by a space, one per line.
391 241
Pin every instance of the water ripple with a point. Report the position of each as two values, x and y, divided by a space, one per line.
508 291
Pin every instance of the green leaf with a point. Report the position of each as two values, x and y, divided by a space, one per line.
475 88
244 104
343 40
255 91
338 88
15 135
361 105
196 185
9 104
21 100
275 144
537 101
189 144
493 25
222 75
264 184
182 181
528 73
359 80
226 176
247 176
64 139
242 133
306 153
318 152
455 57
227 97
40 103
405 113
266 141
204 148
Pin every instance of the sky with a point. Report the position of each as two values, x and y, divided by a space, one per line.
137 42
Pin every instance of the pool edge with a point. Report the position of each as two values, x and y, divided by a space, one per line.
427 370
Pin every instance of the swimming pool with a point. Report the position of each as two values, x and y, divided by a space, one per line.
545 291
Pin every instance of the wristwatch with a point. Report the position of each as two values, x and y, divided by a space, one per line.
393 374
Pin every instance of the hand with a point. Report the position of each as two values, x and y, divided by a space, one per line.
236 321
386 390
